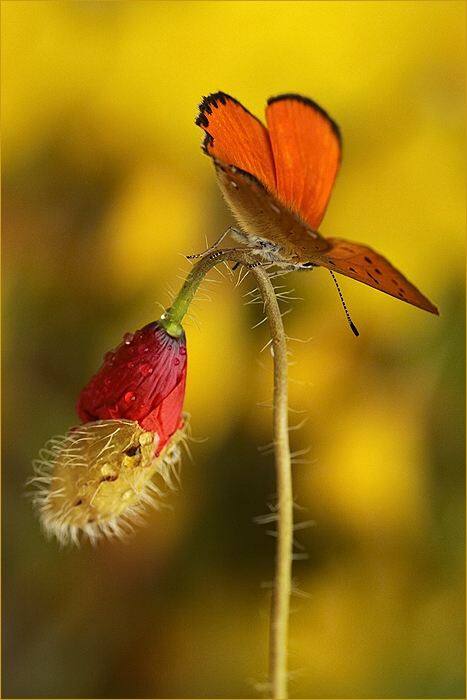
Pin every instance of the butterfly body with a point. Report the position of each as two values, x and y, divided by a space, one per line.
277 182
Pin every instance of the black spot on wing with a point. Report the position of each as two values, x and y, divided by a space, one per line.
202 120
372 277
207 142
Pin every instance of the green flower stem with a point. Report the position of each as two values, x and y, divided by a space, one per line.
171 321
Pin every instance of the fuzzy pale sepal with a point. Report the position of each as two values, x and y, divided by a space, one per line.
98 479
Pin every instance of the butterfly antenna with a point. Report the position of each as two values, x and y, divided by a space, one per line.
351 323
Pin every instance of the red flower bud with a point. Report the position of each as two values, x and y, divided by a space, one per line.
142 380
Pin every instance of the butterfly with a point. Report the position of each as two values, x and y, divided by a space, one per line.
277 182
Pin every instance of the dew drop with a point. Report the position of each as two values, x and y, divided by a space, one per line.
176 361
146 369
127 338
130 365
182 351
130 396
143 348
110 357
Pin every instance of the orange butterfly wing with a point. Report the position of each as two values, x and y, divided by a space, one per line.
235 137
239 146
365 265
306 147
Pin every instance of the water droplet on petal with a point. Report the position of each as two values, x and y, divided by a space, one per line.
146 369
182 351
127 338
176 361
110 357
143 348
130 365
130 396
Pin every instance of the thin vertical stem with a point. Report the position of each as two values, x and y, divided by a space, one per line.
279 621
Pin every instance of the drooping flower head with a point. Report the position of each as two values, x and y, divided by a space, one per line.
142 380
98 478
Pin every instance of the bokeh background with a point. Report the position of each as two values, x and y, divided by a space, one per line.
105 189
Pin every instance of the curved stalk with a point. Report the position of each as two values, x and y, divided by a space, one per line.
171 320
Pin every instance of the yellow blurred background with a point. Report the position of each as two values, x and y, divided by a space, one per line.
105 189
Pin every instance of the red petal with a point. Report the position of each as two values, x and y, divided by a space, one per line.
141 380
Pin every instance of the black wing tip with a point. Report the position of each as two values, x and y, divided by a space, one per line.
208 103
205 107
311 103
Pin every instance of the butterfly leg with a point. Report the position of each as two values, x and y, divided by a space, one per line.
221 251
215 245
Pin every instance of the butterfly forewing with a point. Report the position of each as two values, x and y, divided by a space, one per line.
365 265
235 137
306 148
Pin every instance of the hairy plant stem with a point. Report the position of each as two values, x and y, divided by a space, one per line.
279 622
171 320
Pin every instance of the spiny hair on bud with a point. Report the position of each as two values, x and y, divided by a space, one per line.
100 478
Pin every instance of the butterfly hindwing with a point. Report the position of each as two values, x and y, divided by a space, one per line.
365 265
262 216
